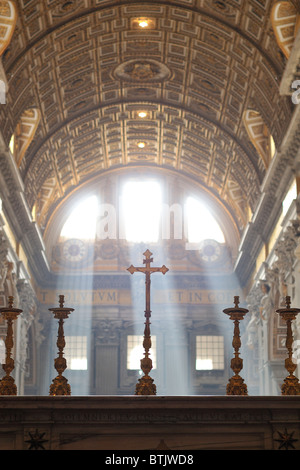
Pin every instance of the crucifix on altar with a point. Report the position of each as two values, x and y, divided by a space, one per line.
145 385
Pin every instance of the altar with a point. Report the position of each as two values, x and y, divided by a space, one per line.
149 423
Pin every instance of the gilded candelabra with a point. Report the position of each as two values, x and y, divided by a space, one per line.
145 385
7 384
291 384
236 385
60 384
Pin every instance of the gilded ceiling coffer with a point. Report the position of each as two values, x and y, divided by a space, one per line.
145 385
7 384
236 385
60 385
291 384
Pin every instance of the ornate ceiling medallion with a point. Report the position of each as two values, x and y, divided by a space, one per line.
142 70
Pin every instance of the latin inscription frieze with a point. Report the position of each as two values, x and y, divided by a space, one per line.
124 297
164 417
11 416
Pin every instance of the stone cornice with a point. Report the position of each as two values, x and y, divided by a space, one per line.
18 214
283 167
291 72
145 422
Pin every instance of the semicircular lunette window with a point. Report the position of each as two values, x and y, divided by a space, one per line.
143 218
201 224
81 223
141 211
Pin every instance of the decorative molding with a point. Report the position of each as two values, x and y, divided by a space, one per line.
211 422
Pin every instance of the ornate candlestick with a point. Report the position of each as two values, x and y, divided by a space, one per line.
236 384
60 384
145 385
290 385
7 384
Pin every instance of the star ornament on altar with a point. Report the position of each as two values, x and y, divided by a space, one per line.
286 440
36 441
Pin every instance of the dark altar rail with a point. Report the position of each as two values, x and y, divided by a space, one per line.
149 422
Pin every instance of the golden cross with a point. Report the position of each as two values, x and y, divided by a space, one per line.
147 270
146 385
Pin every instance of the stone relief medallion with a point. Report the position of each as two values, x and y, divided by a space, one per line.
62 9
107 249
222 7
139 93
72 253
139 70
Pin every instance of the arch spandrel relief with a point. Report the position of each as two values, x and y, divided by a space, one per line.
24 133
8 19
286 21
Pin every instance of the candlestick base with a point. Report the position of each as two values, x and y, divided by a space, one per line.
145 386
8 386
290 386
60 386
236 386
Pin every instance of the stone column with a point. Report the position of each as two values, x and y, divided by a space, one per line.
27 302
254 338
296 300
106 368
176 363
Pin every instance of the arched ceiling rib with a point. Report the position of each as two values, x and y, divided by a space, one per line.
89 69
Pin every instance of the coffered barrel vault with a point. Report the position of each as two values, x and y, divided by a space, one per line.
198 101
90 69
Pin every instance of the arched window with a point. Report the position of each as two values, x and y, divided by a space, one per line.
24 134
81 223
259 135
201 224
142 217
